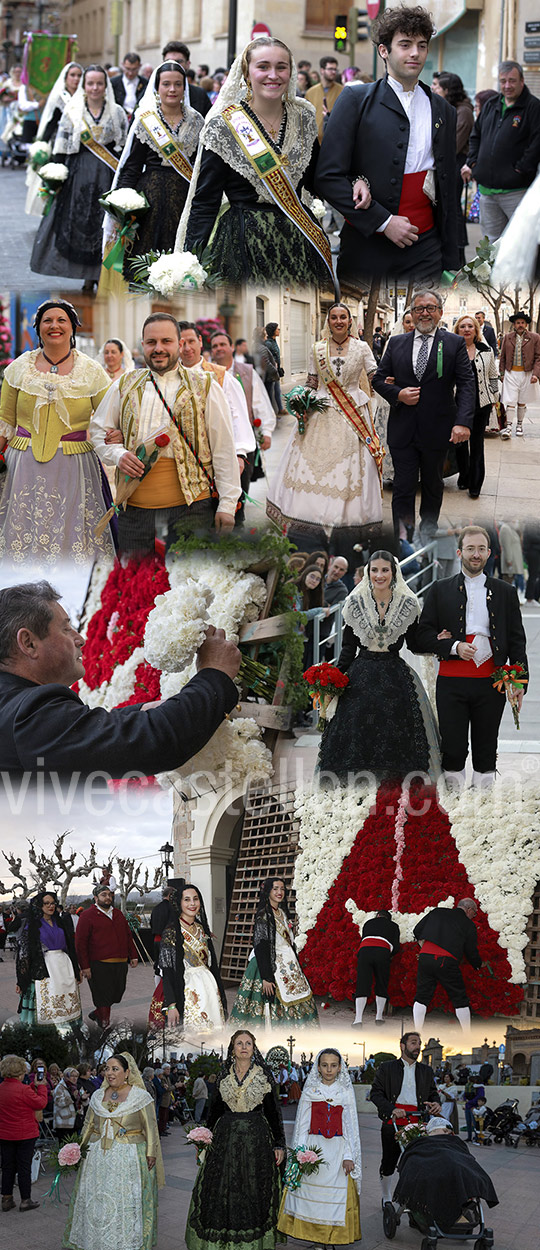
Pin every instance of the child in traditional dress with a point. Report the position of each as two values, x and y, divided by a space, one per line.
324 1208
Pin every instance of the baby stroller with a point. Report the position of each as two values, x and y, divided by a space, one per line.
441 1187
527 1130
505 1120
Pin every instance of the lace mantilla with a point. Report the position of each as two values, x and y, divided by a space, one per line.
249 1093
361 613
186 133
87 378
135 1101
110 129
300 135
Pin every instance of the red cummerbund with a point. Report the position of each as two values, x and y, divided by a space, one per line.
466 668
326 1120
414 202
430 948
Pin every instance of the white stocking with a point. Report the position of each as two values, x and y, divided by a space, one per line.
360 1005
482 781
388 1184
464 1016
419 1014
380 1004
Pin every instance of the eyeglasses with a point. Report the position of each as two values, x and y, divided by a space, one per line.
429 308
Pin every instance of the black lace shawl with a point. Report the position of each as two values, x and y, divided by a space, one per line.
171 956
30 961
264 941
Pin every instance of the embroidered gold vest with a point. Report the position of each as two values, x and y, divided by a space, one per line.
189 406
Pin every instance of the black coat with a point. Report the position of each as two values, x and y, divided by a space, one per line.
504 151
444 402
51 724
453 930
490 337
389 1079
30 960
199 99
367 133
117 84
445 608
381 927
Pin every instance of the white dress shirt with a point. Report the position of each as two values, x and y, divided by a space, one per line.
217 418
260 401
476 612
234 399
417 343
407 1093
130 88
416 104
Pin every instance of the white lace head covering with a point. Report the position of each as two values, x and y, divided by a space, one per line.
326 332
58 97
77 113
189 131
128 363
361 614
398 327
339 1094
234 91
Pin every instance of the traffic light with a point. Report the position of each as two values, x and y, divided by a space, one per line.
362 25
340 33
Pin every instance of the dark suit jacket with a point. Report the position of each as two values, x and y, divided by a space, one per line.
444 402
50 723
445 607
452 929
117 84
388 1081
490 337
199 99
367 133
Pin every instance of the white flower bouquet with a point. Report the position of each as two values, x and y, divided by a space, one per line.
176 626
38 154
126 207
318 208
234 754
53 174
168 273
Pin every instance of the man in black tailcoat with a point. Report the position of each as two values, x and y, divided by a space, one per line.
427 379
46 728
473 624
398 141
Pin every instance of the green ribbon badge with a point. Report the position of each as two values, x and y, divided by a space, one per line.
440 360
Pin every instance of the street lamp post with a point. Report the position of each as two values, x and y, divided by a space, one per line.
290 1042
167 862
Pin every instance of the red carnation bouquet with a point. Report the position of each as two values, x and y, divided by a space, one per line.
147 453
324 682
510 678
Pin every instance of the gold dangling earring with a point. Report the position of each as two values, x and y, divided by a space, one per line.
249 92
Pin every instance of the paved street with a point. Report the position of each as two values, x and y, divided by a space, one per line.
18 233
515 1221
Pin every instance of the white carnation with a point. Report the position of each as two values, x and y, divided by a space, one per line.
177 271
176 626
126 199
54 172
235 753
119 689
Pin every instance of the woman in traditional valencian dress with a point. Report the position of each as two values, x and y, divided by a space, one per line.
273 987
190 990
114 1202
48 974
55 491
61 92
91 134
330 475
236 1195
116 358
259 148
157 160
383 723
324 1208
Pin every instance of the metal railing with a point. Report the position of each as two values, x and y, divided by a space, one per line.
419 579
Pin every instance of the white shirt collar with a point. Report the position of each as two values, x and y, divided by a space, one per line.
479 580
106 911
430 334
399 88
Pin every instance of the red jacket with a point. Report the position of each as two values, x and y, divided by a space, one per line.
97 937
18 1106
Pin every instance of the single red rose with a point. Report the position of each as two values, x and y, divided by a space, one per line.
162 440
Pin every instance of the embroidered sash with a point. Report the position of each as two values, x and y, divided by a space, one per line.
271 168
167 146
363 428
98 149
